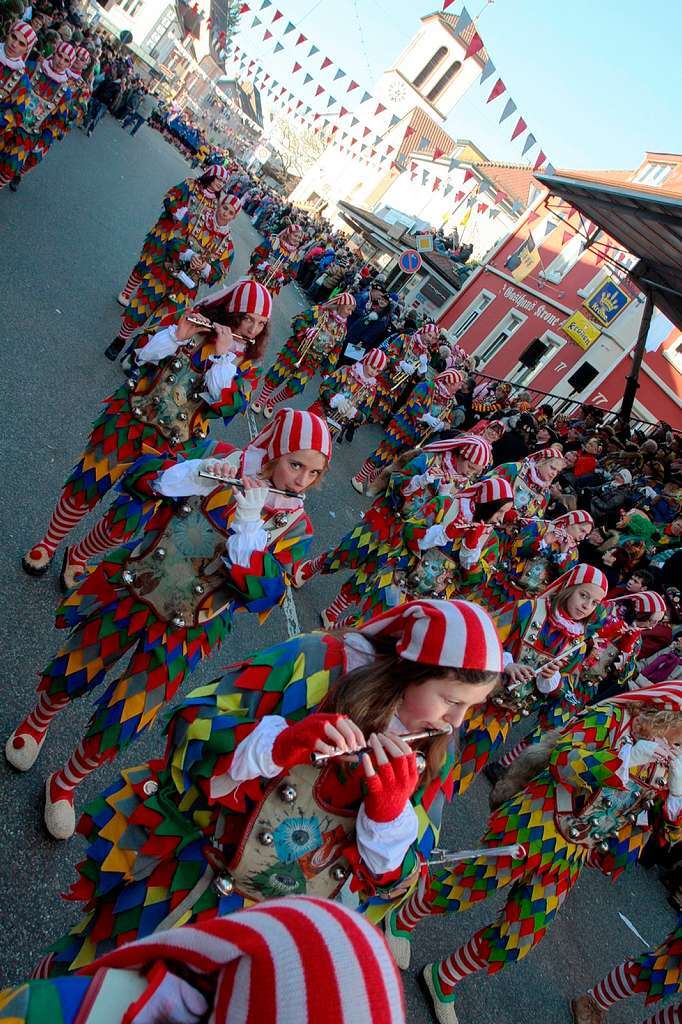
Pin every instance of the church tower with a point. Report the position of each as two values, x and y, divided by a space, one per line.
431 72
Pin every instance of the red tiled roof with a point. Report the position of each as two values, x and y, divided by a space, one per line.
514 179
425 127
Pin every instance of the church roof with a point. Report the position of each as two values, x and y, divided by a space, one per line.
426 136
450 21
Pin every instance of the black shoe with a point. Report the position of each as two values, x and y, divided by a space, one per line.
15 182
113 351
494 772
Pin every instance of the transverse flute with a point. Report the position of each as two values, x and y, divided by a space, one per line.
199 320
317 760
208 475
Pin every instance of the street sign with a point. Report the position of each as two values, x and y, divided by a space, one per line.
410 261
425 243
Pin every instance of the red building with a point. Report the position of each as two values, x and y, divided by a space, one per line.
552 307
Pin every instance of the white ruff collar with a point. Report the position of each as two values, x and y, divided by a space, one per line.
15 63
57 76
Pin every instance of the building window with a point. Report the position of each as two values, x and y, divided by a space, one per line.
564 262
498 338
674 355
444 81
470 315
582 377
535 357
653 174
438 56
597 281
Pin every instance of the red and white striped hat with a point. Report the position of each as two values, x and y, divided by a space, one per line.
234 202
290 430
579 574
245 296
546 453
466 446
454 634
295 960
24 30
342 299
429 329
376 359
216 171
665 696
448 380
83 56
647 602
579 515
66 50
495 488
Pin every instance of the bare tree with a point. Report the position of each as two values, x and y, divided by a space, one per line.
297 148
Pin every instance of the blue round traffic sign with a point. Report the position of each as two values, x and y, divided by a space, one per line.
410 261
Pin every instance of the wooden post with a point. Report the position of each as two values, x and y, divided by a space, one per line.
632 380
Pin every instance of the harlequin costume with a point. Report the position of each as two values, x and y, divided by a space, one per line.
169 283
589 806
253 967
44 116
655 974
81 89
532 555
616 644
171 600
15 85
274 263
200 833
408 358
188 200
371 545
533 632
531 492
313 346
181 387
426 411
347 394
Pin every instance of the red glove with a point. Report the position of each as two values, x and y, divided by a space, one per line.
476 534
511 516
389 790
295 744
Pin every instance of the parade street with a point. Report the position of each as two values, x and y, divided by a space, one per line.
74 230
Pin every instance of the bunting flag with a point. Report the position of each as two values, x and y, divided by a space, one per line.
436 184
365 96
482 207
463 22
488 70
447 190
493 214
447 3
497 90
312 51
549 169
438 153
529 143
394 121
266 3
500 196
519 130
297 67
290 28
380 109
454 163
319 90
468 174
278 47
509 109
326 63
331 101
474 47
459 196
267 35
301 39
256 21
308 78
276 16
353 85
540 161
339 74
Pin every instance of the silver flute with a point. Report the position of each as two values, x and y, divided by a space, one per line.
208 475
317 759
517 852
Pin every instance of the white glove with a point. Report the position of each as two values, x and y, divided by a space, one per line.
185 279
250 504
181 213
350 412
675 777
205 270
548 685
336 401
423 364
219 375
431 421
261 266
646 751
407 367
186 255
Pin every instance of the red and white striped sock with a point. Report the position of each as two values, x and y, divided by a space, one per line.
82 762
312 566
668 1015
5 179
366 473
131 284
510 756
37 722
100 538
67 515
267 391
283 392
127 328
468 959
412 912
342 601
618 984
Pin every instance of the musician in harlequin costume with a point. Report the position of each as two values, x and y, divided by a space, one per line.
314 346
616 643
235 812
408 360
426 411
347 395
186 377
369 546
44 116
186 201
532 554
197 251
655 974
15 86
210 549
441 544
80 88
493 405
532 479
544 639
242 967
275 261
587 802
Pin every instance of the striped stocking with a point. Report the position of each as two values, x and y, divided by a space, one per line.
342 601
37 722
84 760
668 1015
412 912
468 959
127 328
131 284
618 984
511 755
367 472
269 388
67 515
100 538
312 566
281 395
5 179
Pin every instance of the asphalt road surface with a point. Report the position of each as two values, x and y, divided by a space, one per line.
70 236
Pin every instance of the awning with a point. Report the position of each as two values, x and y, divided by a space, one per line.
645 221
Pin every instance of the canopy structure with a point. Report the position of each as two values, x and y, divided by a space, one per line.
648 223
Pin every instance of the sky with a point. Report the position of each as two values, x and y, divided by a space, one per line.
597 81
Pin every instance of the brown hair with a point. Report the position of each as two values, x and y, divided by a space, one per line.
216 312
